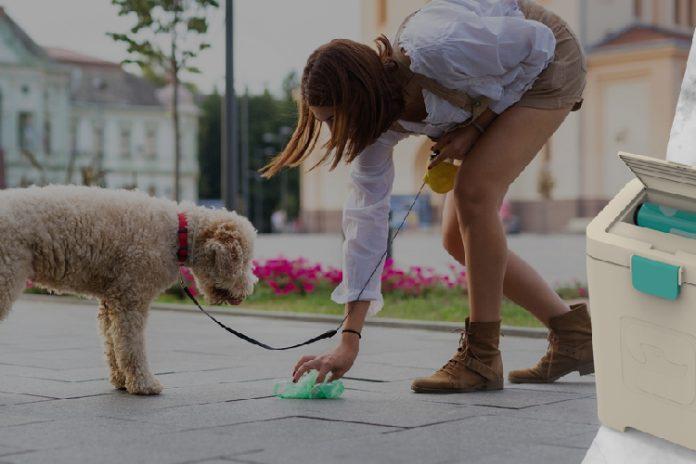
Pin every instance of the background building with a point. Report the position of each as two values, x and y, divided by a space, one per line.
637 52
71 118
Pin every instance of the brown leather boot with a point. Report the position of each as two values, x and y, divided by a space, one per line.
476 365
570 349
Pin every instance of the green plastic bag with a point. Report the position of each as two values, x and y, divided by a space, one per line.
307 388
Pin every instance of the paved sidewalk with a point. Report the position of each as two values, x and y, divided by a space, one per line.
57 407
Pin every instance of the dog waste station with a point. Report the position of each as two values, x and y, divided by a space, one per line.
642 281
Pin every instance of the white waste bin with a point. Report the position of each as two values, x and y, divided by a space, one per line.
642 287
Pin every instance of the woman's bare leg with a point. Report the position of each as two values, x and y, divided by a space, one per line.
521 284
495 161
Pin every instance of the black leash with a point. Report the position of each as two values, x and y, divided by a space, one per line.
325 335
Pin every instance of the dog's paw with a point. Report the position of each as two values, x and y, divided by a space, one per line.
118 380
148 385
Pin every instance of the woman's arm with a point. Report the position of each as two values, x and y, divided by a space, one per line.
366 230
366 223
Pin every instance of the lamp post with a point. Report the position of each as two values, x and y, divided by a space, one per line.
230 160
244 138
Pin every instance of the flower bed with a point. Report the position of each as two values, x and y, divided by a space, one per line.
297 285
298 276
283 277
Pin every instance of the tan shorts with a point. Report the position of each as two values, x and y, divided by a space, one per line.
561 84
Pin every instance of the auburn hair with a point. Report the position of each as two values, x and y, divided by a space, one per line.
360 85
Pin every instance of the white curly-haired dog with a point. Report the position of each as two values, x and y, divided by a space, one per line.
123 248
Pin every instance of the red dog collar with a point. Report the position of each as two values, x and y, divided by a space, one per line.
182 233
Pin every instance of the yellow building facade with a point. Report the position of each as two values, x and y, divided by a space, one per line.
637 52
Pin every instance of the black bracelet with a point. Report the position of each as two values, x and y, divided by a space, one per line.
353 332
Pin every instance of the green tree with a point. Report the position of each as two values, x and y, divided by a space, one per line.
271 118
209 146
168 35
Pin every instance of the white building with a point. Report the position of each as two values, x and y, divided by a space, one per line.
71 118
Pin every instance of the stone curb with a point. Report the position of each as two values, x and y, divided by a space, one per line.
527 332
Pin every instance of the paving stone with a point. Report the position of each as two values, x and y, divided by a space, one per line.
17 398
464 441
7 452
357 407
583 410
14 420
61 375
572 383
119 404
533 454
70 432
59 359
54 388
285 431
196 445
503 399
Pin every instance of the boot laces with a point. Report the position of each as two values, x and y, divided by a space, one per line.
462 353
554 342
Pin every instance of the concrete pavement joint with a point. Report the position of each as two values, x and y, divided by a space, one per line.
273 419
43 397
536 389
247 399
514 408
252 380
203 461
245 461
363 379
201 352
16 453
23 424
431 424
52 369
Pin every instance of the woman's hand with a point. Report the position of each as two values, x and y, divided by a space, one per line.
337 361
454 145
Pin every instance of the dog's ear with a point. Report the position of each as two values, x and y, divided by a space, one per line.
226 248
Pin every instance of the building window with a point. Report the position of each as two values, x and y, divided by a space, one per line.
73 136
151 141
382 11
97 141
125 142
27 133
47 135
638 9
684 13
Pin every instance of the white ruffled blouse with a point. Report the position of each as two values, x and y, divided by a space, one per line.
481 47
